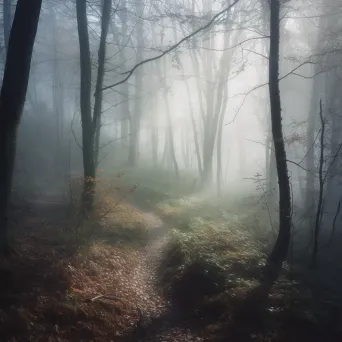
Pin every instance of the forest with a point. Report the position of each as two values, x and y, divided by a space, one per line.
170 170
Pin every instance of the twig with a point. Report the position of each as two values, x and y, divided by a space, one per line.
289 161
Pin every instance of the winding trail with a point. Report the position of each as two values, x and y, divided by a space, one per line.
160 320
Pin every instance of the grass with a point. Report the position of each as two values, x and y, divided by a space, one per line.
46 290
214 254
211 255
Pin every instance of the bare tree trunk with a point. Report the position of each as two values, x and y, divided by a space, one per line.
12 99
124 87
279 252
135 121
58 102
321 190
170 135
194 128
106 13
85 103
310 158
219 143
192 116
170 139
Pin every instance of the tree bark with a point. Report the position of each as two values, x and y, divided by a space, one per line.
85 104
321 191
12 99
279 252
106 12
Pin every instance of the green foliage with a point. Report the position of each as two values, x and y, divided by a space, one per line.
217 252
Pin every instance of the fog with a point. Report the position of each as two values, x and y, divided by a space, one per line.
231 55
182 107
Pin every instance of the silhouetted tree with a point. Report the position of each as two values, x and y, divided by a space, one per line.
12 99
279 252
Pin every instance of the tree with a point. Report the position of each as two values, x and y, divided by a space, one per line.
12 99
135 120
279 252
90 123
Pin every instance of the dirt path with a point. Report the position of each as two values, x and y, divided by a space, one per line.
64 281
160 320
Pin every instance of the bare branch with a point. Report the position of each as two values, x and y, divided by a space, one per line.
174 46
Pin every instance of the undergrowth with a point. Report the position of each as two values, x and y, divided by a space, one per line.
209 258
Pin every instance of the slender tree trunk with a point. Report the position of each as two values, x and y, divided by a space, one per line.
85 103
135 121
170 138
321 191
310 158
124 87
194 129
106 12
192 116
279 252
12 99
58 102
219 143
170 135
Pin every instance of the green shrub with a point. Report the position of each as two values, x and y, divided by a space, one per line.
208 258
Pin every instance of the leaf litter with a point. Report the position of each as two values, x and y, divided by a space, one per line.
48 290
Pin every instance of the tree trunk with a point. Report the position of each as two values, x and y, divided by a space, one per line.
194 129
125 110
192 116
321 191
310 158
106 12
135 121
58 103
279 252
12 99
85 104
219 143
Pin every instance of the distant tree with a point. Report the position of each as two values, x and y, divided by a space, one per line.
12 99
135 119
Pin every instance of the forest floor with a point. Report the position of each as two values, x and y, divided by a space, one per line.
48 291
51 290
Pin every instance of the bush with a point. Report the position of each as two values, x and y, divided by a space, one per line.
209 258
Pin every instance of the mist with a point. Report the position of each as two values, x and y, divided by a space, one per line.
184 143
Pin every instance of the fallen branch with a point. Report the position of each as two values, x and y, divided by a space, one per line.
111 297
